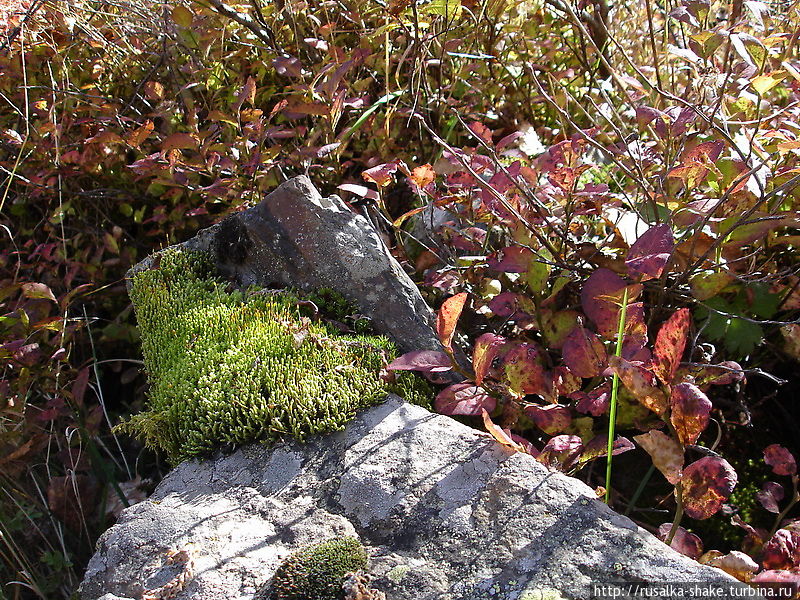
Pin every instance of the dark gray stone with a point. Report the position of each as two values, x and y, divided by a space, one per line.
297 238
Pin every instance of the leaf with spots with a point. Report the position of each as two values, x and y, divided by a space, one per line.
670 344
684 542
639 382
426 361
584 353
552 418
782 551
524 370
513 259
690 411
707 484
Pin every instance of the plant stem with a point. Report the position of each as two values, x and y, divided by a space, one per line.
678 512
612 417
785 511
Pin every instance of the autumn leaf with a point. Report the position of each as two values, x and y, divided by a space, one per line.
782 551
780 459
770 495
525 372
37 291
584 353
501 435
649 254
140 134
426 361
484 352
638 382
423 176
670 344
464 399
381 175
665 452
684 542
551 418
513 259
447 317
707 484
690 411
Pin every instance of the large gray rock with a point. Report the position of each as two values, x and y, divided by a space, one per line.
296 238
445 511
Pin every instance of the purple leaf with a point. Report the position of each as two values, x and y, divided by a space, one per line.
464 399
770 495
684 542
603 313
650 253
595 402
561 452
551 419
427 361
512 259
780 459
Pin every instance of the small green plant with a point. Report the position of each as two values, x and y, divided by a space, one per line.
227 368
317 572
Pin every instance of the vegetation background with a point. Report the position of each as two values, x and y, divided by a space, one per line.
604 196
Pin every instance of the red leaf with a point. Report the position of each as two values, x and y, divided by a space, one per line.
79 386
507 304
552 418
684 542
464 399
524 370
485 351
598 446
447 317
649 254
561 452
513 259
707 484
638 382
603 313
565 382
481 131
770 495
584 353
665 452
427 361
381 174
670 344
595 402
782 551
247 93
691 411
780 459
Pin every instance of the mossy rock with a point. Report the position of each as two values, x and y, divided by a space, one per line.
318 572
228 367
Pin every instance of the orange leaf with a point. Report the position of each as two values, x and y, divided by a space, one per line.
140 134
447 318
501 435
670 344
422 176
178 141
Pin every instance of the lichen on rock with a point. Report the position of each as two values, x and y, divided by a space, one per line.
318 572
228 366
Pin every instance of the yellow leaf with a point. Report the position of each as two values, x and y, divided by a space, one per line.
764 83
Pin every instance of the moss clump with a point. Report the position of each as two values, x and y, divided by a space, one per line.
227 367
317 572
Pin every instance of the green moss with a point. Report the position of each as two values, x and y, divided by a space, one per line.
317 572
227 367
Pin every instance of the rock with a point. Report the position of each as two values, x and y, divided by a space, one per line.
444 511
297 238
